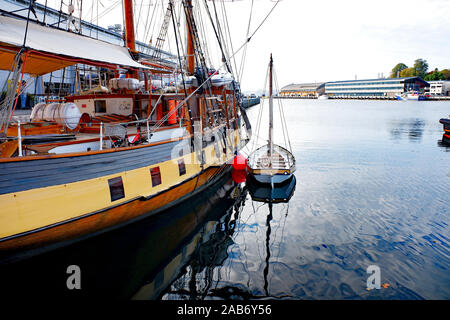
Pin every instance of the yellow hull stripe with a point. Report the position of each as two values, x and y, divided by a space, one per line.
36 208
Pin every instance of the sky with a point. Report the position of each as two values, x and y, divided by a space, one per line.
324 40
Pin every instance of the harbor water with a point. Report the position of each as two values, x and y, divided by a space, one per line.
373 181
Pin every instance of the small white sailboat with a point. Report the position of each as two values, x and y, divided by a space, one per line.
272 164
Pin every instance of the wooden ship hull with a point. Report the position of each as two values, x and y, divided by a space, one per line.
58 198
130 154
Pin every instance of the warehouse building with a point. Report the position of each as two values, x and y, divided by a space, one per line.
375 87
307 90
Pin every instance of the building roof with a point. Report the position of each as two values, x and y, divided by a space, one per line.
303 86
438 81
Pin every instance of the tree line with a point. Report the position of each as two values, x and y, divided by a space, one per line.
419 69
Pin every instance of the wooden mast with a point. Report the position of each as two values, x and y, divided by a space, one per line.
129 30
190 40
270 111
129 25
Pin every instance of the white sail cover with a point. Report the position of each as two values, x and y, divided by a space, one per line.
53 49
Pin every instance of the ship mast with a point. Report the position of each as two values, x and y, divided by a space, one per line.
190 40
129 25
129 32
270 111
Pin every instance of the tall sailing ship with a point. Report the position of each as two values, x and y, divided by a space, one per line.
91 162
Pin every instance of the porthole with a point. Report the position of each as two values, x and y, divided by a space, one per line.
116 189
181 167
156 176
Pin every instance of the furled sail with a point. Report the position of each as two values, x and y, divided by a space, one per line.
51 49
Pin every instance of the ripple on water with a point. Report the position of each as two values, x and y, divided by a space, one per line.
372 189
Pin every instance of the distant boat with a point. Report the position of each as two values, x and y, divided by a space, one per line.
250 100
414 95
221 79
272 164
411 95
446 124
322 97
401 97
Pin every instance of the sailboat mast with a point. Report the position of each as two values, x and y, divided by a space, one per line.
270 110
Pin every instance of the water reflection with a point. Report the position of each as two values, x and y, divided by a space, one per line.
205 250
137 261
214 264
261 193
412 128
444 143
268 195
364 200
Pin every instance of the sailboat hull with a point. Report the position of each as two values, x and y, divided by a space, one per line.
276 179
271 170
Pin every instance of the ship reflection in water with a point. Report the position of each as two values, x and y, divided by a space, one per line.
140 260
203 251
210 272
413 128
445 142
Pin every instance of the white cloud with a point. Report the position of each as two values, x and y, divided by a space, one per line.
328 40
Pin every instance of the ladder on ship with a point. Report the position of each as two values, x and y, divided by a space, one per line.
156 55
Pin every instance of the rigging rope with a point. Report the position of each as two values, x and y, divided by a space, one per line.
258 123
280 110
159 124
224 13
244 54
224 59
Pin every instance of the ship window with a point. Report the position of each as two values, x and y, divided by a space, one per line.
116 188
100 106
181 167
156 176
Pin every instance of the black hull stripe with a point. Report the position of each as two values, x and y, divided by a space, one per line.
26 175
